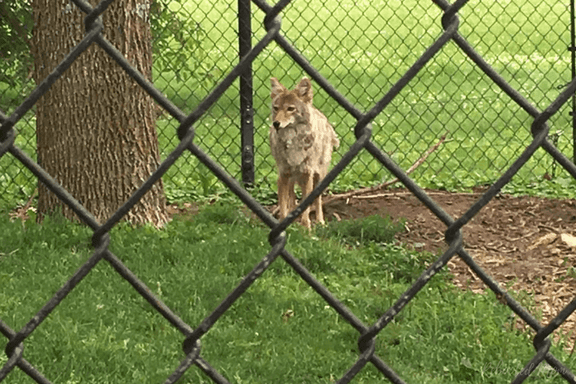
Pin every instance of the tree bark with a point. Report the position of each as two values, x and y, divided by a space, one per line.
95 127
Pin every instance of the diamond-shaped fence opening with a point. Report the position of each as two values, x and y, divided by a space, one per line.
392 77
362 49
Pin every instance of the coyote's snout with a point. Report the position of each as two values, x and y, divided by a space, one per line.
301 141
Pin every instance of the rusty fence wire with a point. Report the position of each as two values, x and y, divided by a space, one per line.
364 144
362 48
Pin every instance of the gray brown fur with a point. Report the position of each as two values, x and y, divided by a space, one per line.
301 142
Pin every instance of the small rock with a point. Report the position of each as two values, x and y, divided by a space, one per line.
568 239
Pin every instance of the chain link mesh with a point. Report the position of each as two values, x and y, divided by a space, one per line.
361 48
422 87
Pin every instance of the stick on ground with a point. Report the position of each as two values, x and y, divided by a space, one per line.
386 184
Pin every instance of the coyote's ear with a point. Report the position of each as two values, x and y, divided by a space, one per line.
304 89
276 88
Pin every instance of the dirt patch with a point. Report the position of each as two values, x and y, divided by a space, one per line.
524 243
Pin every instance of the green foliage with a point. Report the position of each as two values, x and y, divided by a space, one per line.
562 187
179 42
15 34
104 332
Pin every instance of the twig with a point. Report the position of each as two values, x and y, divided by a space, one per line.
407 193
22 212
361 191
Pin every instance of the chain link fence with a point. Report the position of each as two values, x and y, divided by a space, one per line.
362 49
395 76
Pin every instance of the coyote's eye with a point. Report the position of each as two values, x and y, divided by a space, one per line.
275 108
291 108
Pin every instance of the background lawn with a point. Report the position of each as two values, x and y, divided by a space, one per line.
362 48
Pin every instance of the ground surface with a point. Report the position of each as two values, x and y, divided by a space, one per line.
522 242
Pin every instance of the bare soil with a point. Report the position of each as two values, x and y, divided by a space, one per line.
524 243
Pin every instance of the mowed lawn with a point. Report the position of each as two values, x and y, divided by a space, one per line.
279 330
363 48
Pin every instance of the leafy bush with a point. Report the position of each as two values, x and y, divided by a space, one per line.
178 42
15 35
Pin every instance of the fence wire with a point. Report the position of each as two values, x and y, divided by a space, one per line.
362 48
364 142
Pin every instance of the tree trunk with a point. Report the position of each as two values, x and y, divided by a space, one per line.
95 127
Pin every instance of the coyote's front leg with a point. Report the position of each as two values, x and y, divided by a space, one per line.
285 195
318 201
307 184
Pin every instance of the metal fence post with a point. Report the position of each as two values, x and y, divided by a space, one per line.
246 90
572 49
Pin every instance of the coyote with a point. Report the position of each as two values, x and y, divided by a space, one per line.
301 142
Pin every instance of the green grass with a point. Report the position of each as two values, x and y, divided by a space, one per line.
363 48
280 330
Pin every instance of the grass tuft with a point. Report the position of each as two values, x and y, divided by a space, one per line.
363 231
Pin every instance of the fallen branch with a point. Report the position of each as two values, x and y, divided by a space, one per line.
407 193
386 184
